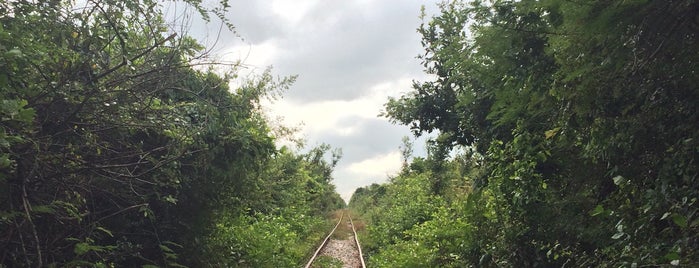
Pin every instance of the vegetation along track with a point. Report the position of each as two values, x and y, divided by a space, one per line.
340 248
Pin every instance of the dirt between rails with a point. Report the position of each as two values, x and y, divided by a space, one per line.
342 247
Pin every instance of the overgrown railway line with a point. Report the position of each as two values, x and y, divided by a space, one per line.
341 245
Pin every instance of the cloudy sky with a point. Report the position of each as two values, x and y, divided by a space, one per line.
349 55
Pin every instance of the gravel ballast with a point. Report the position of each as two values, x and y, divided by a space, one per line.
343 250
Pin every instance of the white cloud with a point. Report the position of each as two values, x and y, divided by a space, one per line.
379 166
258 55
331 116
362 173
293 11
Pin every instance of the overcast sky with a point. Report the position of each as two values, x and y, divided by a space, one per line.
349 55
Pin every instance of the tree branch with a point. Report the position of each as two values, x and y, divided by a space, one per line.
124 62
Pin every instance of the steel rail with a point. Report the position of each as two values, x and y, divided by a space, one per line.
356 240
325 241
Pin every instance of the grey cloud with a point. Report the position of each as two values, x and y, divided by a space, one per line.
358 49
339 49
254 23
372 137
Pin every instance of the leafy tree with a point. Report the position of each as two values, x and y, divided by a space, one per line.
584 115
116 151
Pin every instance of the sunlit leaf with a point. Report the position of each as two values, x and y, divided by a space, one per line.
551 133
597 210
619 180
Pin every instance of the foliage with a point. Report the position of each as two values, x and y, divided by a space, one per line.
116 149
327 262
264 240
281 221
411 226
582 117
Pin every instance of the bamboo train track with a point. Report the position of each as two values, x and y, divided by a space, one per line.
341 244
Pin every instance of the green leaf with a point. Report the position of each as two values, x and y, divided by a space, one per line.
665 215
26 115
81 248
597 211
14 53
5 161
680 220
170 199
4 142
617 236
14 110
619 180
672 256
551 133
173 244
165 248
43 209
105 231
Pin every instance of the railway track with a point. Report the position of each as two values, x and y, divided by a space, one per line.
341 245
